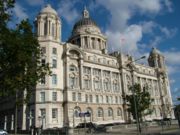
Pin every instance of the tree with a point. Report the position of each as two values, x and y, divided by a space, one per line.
20 56
143 101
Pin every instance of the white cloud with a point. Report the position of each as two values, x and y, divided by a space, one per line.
168 32
20 12
148 26
127 40
123 10
172 58
172 81
35 2
67 11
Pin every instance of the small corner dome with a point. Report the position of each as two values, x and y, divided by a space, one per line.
48 9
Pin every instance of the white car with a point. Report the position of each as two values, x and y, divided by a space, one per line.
3 132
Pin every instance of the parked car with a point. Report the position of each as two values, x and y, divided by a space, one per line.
92 127
3 132
83 125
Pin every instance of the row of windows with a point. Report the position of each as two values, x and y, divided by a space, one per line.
43 96
54 50
54 63
53 77
98 98
99 112
76 96
102 60
54 113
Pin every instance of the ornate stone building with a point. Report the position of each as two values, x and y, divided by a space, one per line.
86 78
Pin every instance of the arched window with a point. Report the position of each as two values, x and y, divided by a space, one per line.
110 112
106 85
77 110
115 85
73 81
90 111
119 112
100 112
96 84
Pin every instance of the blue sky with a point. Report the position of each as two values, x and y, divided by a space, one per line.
133 26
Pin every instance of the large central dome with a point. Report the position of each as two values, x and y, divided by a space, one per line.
87 34
85 25
84 21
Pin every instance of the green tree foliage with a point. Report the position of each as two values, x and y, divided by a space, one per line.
143 101
20 53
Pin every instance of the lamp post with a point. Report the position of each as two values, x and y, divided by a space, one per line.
133 92
30 122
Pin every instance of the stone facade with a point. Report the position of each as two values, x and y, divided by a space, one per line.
86 78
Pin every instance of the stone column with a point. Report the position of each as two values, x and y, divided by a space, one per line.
111 82
12 122
102 84
24 117
92 88
41 27
81 74
123 86
5 122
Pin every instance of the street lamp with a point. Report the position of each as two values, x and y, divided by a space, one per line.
30 122
41 118
133 92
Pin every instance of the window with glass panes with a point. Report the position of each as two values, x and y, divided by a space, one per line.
74 96
43 49
54 50
97 99
42 112
54 63
86 98
90 98
54 113
43 80
54 79
79 96
54 96
42 96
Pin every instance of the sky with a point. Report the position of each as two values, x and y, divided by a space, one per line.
132 26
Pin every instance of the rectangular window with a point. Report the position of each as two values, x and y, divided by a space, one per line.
86 83
54 50
42 96
54 113
54 63
86 98
74 96
42 112
107 99
90 98
116 98
43 80
54 79
43 50
54 96
86 70
79 96
43 62
97 99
